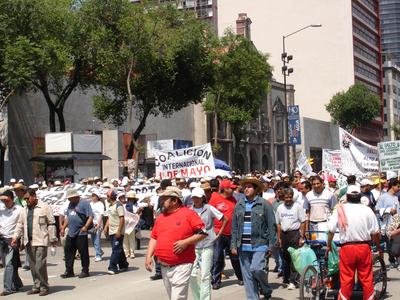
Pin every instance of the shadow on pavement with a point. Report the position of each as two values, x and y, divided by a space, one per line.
60 288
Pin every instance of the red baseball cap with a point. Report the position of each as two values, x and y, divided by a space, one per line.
227 184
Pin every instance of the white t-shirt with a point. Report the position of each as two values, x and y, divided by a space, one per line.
290 218
319 205
361 222
8 220
98 210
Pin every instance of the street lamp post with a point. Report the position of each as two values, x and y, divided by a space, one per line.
286 72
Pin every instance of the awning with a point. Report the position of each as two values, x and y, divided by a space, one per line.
70 156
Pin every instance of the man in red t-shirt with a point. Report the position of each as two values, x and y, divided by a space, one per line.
172 240
225 203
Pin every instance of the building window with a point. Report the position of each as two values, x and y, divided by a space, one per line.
366 70
384 102
385 117
385 132
395 103
358 11
384 88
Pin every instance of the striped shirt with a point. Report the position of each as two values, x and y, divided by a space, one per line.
246 234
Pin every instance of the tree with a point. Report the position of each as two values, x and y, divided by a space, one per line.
395 127
43 49
354 108
241 76
155 60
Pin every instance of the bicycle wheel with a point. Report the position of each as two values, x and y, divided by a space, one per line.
380 276
310 284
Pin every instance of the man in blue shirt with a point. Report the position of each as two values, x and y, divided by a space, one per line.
253 234
387 206
78 219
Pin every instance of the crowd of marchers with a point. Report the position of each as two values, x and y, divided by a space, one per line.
195 223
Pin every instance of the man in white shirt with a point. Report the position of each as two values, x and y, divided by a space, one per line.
357 226
318 204
9 215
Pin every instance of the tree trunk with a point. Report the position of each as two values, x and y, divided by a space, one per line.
238 136
61 120
135 137
52 119
216 121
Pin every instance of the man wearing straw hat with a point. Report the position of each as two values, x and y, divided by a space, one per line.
78 218
253 234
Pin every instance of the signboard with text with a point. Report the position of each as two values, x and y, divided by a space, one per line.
193 162
294 125
389 156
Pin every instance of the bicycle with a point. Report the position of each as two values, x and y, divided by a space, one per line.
316 283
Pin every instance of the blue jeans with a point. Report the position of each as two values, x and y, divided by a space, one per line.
118 258
96 240
277 255
221 246
10 260
254 276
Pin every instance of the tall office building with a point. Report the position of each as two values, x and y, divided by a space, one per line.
205 9
326 60
390 27
391 101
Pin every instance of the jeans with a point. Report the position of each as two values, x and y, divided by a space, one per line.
118 258
72 244
176 281
221 245
96 240
200 280
10 260
254 276
388 242
277 255
37 256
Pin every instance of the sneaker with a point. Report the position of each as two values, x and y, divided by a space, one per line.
216 286
102 253
133 255
98 258
32 292
291 286
111 272
67 275
6 293
240 282
43 292
156 277
84 275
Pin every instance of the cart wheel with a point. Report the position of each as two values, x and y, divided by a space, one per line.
380 276
310 284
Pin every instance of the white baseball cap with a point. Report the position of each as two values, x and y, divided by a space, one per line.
198 192
194 184
365 182
353 189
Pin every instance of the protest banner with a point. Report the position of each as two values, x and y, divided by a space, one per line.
56 196
303 164
191 162
389 156
331 160
358 157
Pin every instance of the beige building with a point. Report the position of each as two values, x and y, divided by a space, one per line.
326 60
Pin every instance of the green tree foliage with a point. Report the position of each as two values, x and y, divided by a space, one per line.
42 48
155 59
241 76
354 108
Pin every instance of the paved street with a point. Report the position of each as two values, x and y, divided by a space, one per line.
135 284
